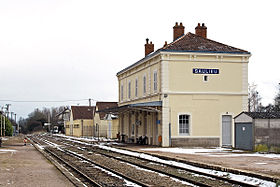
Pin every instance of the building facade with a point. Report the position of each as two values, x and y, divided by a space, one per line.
105 125
80 123
185 93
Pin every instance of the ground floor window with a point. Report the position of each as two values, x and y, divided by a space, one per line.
76 125
184 124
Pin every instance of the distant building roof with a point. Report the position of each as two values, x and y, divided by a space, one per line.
262 115
105 105
82 112
192 43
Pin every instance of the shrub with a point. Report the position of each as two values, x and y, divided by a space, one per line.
275 149
261 148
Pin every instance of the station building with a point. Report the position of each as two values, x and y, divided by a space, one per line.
106 125
185 93
80 121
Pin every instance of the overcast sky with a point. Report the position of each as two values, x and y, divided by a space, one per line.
57 50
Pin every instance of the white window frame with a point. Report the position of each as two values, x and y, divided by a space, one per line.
144 85
155 80
129 89
189 123
136 87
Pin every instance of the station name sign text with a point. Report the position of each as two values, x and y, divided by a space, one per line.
205 71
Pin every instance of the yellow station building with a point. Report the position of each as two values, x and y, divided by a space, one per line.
185 93
80 122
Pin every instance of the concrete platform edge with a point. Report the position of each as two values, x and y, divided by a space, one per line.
211 166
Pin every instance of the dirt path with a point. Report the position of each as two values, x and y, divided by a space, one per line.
25 166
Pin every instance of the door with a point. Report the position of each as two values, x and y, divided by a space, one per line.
244 136
226 130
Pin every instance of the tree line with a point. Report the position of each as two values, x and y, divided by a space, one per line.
37 120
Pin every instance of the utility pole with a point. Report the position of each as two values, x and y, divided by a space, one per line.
17 124
7 109
12 116
1 124
2 116
4 126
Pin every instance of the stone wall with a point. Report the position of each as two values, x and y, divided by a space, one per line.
195 142
267 133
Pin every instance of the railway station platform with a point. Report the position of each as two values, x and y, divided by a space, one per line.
266 165
24 166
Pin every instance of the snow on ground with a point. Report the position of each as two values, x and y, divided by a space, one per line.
242 178
8 150
214 152
89 139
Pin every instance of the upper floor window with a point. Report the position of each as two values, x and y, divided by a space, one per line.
184 124
136 87
144 85
121 92
129 89
155 81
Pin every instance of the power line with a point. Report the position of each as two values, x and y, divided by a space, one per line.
43 101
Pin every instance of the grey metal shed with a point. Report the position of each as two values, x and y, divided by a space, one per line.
257 128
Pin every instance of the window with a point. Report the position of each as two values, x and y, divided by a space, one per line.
184 124
136 87
76 125
155 80
144 85
121 92
129 90
205 78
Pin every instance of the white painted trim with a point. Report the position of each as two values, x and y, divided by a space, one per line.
190 124
210 61
205 54
205 93
195 137
187 59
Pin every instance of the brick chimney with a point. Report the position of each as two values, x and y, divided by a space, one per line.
201 30
178 30
149 47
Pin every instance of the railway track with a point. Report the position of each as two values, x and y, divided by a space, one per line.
186 176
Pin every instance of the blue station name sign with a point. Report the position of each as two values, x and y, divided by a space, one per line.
205 71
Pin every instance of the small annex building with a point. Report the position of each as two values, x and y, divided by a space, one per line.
80 123
106 125
184 94
257 129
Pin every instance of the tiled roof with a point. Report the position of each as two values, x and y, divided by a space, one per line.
263 115
105 105
194 43
82 112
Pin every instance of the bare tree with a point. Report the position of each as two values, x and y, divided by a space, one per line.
254 104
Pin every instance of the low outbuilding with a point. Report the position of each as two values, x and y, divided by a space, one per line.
259 131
